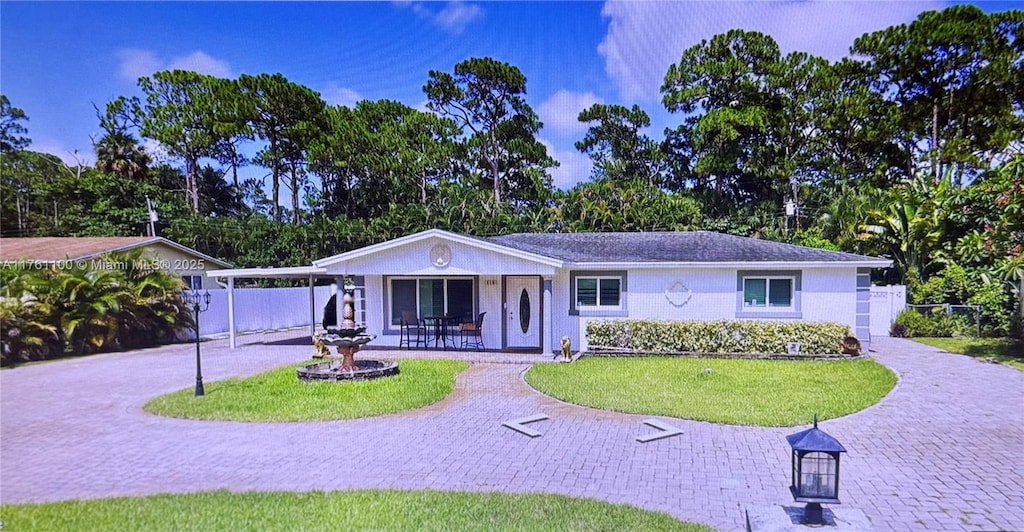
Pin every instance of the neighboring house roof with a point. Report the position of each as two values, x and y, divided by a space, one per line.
700 247
51 249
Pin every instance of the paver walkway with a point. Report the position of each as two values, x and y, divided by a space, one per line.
944 451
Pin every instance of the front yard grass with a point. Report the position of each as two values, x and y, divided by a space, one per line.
769 393
279 395
1002 350
340 510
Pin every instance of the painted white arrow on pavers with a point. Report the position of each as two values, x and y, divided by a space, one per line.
517 424
665 431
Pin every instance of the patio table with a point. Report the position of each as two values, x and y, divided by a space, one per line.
441 324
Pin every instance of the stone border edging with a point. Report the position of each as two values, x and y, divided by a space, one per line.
612 353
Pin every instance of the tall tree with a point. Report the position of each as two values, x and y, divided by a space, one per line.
486 97
12 130
720 85
177 113
29 205
856 140
381 152
230 126
284 114
120 154
616 146
956 77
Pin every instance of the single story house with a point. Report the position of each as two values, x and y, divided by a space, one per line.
170 256
537 288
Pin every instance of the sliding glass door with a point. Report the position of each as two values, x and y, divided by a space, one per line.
432 297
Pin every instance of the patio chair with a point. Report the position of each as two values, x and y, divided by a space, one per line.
410 325
474 331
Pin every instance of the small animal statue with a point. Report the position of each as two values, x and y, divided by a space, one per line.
566 348
320 346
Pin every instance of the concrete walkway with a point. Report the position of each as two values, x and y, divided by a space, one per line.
944 451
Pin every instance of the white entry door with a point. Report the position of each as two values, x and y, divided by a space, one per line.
522 312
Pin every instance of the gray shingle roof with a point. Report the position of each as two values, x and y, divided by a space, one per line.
691 246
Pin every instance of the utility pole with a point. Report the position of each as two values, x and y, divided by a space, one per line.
152 217
791 209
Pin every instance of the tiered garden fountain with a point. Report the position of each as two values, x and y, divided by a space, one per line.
349 339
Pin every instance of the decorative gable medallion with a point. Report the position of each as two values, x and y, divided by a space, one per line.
678 294
441 255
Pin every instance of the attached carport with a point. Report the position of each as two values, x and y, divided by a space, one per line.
311 273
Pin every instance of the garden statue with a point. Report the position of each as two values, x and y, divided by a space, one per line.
566 349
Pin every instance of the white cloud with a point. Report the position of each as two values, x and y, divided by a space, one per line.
457 15
157 152
644 38
337 95
202 63
135 63
453 17
422 106
561 111
574 166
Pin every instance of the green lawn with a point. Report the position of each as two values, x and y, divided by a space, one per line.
279 395
1004 350
344 510
772 393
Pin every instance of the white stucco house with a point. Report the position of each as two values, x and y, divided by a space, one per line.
537 288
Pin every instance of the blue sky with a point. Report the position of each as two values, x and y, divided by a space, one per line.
59 59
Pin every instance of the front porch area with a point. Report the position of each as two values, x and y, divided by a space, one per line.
434 290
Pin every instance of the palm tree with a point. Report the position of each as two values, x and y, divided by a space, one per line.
152 310
120 154
88 303
913 219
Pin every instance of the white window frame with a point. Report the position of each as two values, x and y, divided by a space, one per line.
391 292
190 284
598 306
767 291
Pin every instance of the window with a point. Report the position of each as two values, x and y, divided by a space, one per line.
598 292
193 282
432 297
768 292
771 294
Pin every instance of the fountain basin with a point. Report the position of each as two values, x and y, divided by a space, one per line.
346 341
332 371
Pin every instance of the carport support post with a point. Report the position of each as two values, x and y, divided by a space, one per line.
312 308
547 341
338 290
231 312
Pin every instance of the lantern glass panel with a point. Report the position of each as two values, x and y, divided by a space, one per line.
818 475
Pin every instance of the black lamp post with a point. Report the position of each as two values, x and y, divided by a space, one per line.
199 302
815 471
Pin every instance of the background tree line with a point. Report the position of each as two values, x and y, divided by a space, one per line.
910 148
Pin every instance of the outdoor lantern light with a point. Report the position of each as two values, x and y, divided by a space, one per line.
815 470
199 302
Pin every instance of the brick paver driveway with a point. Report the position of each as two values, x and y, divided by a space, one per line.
944 451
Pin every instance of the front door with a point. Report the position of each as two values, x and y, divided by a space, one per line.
522 312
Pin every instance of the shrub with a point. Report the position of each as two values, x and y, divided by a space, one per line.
25 331
910 324
46 313
721 336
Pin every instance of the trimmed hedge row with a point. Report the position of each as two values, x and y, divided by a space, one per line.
721 336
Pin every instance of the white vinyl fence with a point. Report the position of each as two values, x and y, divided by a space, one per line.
886 303
262 309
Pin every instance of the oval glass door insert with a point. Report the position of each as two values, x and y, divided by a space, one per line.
524 311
